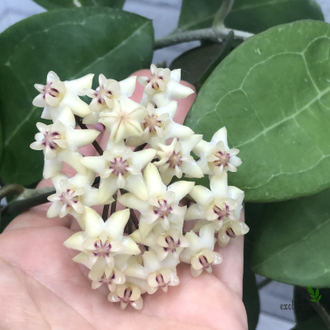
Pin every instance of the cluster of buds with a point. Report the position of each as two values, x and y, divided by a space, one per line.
136 249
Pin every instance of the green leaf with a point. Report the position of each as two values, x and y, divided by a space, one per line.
313 300
313 323
319 298
1 142
310 290
247 15
250 292
273 95
317 292
198 63
71 42
58 4
291 245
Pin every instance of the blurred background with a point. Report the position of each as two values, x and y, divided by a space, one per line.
165 16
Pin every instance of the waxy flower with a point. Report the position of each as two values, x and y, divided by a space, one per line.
163 86
175 159
218 204
164 243
127 293
102 239
215 156
56 95
60 142
111 278
231 229
120 168
159 126
124 120
200 252
162 206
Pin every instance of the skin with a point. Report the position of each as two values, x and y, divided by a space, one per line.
42 288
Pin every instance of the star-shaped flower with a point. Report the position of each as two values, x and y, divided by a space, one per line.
124 120
216 205
60 142
56 95
163 86
162 205
215 156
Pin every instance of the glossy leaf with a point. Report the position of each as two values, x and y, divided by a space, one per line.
198 63
71 42
58 4
1 143
247 15
291 245
273 95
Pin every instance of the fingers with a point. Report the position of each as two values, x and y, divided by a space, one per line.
230 271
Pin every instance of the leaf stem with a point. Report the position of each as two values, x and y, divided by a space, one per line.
317 307
222 13
13 188
105 212
203 34
94 143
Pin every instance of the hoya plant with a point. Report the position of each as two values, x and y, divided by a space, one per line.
127 186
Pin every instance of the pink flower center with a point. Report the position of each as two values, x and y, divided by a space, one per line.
204 262
222 212
107 280
151 122
102 93
160 280
69 197
153 80
127 295
172 245
230 232
48 89
163 209
102 249
50 139
119 166
175 159
223 158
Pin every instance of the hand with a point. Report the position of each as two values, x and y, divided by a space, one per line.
42 288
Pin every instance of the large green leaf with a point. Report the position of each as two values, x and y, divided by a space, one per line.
1 142
198 63
291 244
273 95
58 4
248 15
71 42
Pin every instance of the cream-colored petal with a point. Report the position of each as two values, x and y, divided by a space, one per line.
81 137
115 225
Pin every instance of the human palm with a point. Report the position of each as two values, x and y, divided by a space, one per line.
42 288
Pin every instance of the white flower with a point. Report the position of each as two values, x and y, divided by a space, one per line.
56 95
218 204
164 243
163 86
215 156
127 293
162 205
108 91
120 168
72 194
111 278
159 126
200 252
102 240
124 120
231 229
60 142
175 159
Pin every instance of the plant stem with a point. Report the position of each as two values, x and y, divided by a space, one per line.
222 13
105 212
134 219
94 143
202 34
263 283
317 307
13 188
113 205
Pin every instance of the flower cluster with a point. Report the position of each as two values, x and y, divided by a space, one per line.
136 250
